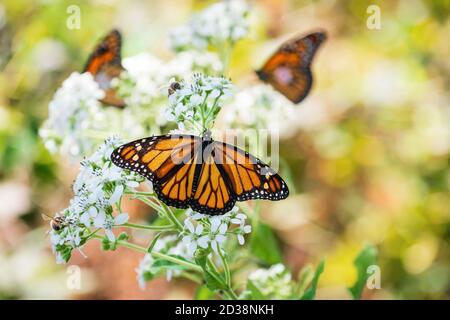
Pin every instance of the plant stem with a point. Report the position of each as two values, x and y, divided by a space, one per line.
171 216
141 193
155 254
150 203
225 268
228 291
148 227
191 277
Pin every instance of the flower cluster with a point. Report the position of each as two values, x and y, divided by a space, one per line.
97 189
71 112
195 105
205 232
274 283
220 23
260 106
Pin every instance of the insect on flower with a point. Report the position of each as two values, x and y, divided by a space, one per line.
198 172
288 69
57 222
174 86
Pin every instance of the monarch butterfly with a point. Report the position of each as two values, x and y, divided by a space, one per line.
104 64
197 172
288 69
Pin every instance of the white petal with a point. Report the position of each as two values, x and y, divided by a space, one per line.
241 239
186 240
85 219
188 224
247 228
110 235
236 221
199 229
99 220
132 184
215 246
116 195
192 247
121 218
223 228
220 238
215 223
203 241
93 211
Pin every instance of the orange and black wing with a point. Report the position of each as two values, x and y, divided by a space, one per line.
186 171
169 162
104 64
288 70
249 177
229 174
213 194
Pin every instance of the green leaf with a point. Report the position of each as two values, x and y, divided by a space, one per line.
203 293
368 256
256 294
213 283
264 245
304 280
201 255
310 293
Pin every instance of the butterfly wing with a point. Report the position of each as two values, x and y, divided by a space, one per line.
288 70
208 177
212 194
104 64
229 174
249 177
168 161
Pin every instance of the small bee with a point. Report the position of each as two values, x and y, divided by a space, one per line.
174 86
56 223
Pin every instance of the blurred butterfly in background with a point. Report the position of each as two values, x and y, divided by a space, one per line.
104 64
197 172
288 69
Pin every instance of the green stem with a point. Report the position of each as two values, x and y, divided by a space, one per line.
150 203
171 216
155 254
226 269
191 277
148 227
140 193
215 273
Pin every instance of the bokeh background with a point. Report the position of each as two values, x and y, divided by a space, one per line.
369 155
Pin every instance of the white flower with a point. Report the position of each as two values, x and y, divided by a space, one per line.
203 95
71 112
202 231
274 282
261 106
226 21
97 189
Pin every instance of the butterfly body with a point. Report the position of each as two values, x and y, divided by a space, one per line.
104 64
288 69
198 172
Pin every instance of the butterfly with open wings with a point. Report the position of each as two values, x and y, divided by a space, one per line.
104 64
288 70
198 172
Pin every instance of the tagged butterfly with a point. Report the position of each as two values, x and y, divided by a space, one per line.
104 64
288 69
197 172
